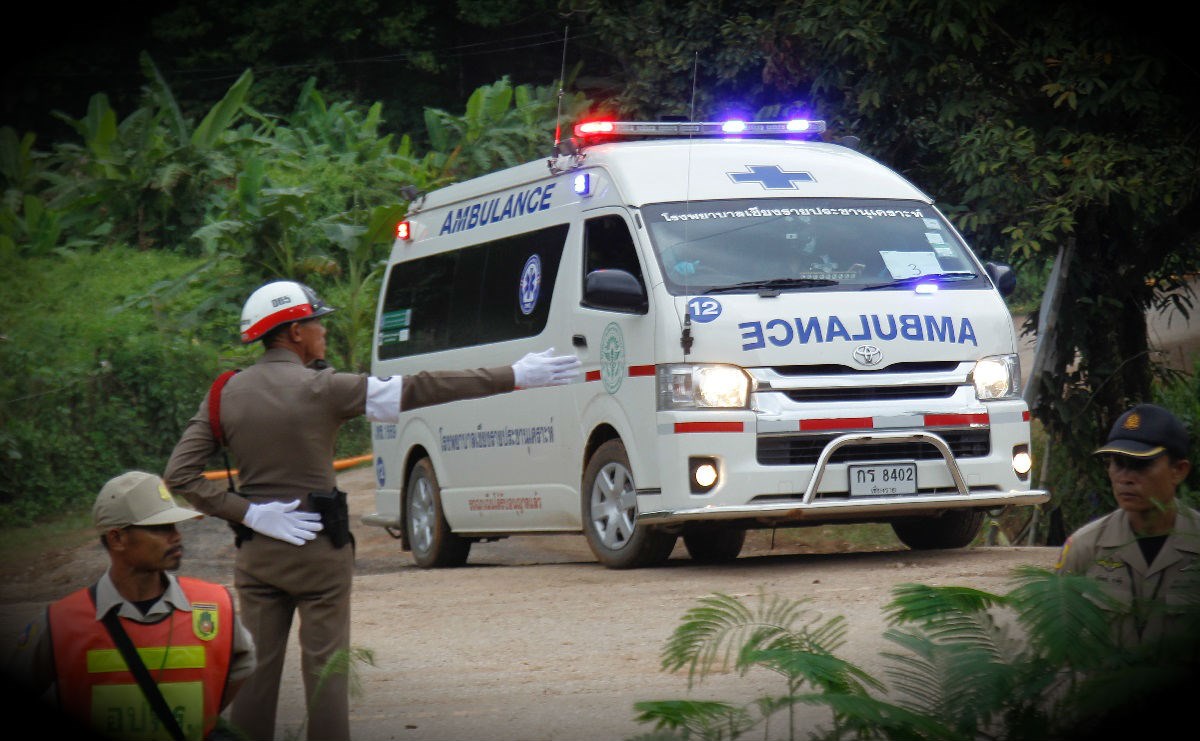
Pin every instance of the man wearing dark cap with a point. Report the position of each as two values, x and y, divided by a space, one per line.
1147 553
194 648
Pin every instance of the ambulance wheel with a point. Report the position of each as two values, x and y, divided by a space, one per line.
714 546
433 545
610 514
954 529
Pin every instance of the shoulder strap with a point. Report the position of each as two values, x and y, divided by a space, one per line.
214 422
112 622
214 405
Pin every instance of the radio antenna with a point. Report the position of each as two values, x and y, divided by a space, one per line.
562 81
695 69
685 338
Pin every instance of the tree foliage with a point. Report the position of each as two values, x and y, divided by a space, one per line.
1038 127
240 196
1038 662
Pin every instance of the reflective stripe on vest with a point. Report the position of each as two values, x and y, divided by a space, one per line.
187 653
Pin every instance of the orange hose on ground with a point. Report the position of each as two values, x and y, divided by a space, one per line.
337 466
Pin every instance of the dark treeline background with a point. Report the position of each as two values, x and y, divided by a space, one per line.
408 55
218 143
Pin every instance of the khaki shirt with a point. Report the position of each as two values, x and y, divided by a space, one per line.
32 662
1107 550
280 420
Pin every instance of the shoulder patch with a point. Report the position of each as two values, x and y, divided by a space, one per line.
204 620
1062 555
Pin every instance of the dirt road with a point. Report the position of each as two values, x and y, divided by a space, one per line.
533 640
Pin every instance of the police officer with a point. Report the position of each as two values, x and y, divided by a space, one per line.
193 645
279 419
1147 552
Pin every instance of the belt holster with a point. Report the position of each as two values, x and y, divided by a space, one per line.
335 515
241 533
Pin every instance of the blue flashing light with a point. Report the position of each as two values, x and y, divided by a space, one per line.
926 288
582 184
798 124
733 127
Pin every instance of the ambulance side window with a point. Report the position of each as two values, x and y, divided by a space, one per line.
609 245
483 293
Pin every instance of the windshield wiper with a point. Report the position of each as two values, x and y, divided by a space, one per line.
937 277
774 284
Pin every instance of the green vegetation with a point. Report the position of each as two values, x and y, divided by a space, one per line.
1034 141
129 250
1038 662
1017 116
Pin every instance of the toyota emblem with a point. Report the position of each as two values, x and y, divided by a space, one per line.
868 355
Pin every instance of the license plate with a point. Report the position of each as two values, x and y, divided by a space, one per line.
883 479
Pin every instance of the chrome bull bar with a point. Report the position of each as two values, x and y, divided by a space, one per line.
811 508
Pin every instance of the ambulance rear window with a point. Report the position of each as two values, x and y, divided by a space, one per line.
806 244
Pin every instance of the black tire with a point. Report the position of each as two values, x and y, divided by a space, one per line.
433 545
609 501
954 529
714 546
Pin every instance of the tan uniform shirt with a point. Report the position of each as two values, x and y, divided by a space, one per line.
1107 550
280 420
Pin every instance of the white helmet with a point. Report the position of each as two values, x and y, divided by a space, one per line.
279 303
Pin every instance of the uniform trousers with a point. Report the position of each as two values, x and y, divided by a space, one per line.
274 581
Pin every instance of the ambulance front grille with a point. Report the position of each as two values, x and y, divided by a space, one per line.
859 393
803 450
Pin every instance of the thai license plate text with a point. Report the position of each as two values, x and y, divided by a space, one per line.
883 479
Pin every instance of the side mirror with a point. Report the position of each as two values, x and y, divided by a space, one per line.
614 290
1003 276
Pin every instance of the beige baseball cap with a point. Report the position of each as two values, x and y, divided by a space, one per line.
137 498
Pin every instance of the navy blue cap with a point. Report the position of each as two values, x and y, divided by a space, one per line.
1147 431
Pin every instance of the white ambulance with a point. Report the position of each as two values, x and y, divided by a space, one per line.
774 331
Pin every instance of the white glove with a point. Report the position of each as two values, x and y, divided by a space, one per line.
279 521
545 369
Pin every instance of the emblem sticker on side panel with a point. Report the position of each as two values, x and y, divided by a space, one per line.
531 284
612 358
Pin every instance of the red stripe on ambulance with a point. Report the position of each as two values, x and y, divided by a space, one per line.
681 427
883 423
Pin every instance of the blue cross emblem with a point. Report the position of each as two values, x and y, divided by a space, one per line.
771 177
530 285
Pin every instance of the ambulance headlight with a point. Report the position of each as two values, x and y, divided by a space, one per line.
997 377
687 386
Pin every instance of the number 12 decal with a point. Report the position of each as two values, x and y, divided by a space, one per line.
704 309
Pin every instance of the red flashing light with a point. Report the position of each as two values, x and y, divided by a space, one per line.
593 128
403 231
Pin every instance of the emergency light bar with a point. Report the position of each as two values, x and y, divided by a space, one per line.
593 129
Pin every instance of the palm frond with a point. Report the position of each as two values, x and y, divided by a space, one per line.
965 685
821 670
863 716
949 615
708 719
722 632
1068 618
924 604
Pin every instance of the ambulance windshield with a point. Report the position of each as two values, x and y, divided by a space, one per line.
801 244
